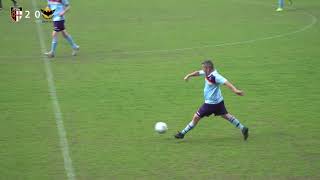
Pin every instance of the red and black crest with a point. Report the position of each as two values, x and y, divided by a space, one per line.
16 13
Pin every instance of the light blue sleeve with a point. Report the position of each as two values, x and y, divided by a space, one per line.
220 79
201 73
65 2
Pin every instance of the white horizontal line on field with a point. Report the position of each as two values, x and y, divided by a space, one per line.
313 21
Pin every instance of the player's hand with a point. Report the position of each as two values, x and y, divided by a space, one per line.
62 13
239 92
186 78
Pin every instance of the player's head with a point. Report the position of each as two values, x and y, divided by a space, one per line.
207 66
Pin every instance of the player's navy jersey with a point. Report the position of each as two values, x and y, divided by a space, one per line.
212 92
58 6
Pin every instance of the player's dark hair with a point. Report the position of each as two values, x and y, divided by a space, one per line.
208 63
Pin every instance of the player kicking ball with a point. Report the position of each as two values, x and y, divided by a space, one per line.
214 103
60 7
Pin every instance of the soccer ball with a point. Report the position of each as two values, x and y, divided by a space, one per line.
161 127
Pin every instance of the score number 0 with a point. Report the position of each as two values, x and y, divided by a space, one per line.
37 14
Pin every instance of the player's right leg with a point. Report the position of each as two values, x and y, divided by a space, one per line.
75 47
204 110
54 44
196 118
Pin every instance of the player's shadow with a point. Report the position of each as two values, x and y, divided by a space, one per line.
210 140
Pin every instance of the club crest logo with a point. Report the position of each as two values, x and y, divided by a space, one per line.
16 14
47 13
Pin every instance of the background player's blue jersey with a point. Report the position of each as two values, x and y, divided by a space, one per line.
58 6
212 92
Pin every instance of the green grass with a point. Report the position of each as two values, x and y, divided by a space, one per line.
129 75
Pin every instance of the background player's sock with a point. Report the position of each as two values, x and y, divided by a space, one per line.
71 42
54 44
190 126
281 3
236 122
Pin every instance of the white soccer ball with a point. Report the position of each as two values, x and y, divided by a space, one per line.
161 127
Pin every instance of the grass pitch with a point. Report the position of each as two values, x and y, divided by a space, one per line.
129 75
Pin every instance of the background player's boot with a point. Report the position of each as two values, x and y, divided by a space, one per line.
179 135
15 4
245 133
75 50
49 54
279 9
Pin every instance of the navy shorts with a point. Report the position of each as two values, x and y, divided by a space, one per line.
58 26
208 109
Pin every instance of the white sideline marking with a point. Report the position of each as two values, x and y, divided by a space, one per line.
56 107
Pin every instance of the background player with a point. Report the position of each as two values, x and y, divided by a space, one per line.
214 103
60 7
15 4
281 5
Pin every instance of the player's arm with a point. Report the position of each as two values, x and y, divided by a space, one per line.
196 73
233 88
66 9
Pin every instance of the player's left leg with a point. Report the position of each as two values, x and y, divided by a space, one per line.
280 5
237 124
74 46
54 44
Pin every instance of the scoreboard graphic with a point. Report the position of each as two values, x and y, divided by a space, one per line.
17 14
